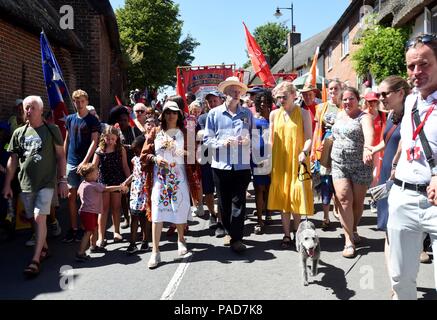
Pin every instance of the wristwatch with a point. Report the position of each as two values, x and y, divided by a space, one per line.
434 171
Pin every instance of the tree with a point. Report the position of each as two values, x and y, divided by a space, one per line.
150 31
382 52
272 38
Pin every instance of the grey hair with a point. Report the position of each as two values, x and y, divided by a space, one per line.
37 99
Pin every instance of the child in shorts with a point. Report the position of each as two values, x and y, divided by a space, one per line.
90 193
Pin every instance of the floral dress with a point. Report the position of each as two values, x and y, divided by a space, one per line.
138 190
170 194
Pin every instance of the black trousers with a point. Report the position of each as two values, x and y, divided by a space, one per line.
231 189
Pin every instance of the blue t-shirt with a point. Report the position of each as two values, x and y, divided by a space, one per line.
79 134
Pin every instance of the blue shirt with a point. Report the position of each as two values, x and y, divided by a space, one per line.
220 126
79 135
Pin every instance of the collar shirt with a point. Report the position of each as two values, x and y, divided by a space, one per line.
417 171
221 125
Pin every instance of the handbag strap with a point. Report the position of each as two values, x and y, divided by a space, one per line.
390 133
423 139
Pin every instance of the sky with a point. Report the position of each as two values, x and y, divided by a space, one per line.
217 24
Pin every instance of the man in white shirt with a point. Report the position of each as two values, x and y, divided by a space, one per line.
412 200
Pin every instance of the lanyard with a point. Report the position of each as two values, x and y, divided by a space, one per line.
419 128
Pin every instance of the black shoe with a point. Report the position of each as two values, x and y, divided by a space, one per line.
144 246
82 257
220 231
70 236
97 249
132 248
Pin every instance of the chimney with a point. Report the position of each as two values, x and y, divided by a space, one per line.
293 38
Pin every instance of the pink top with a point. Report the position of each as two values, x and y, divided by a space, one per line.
90 194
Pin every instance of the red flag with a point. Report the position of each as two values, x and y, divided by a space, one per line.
259 62
180 91
312 76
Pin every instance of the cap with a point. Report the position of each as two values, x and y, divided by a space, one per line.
255 90
214 93
18 102
371 96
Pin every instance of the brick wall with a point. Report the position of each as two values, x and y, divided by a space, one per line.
20 67
342 65
95 69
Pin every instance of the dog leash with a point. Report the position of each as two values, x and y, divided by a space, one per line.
304 174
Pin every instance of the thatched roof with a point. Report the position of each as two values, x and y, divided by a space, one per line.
303 52
36 16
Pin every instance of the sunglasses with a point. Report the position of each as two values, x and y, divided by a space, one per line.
425 39
386 93
139 111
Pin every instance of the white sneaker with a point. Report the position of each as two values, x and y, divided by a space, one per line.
154 260
182 248
55 228
198 211
31 242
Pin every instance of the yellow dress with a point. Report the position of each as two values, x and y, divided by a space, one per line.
286 192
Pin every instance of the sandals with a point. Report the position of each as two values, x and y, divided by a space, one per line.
118 239
349 251
356 238
286 244
326 224
32 269
44 254
259 228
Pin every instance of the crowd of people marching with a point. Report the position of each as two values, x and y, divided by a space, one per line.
165 165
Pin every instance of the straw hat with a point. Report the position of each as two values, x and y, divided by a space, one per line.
232 81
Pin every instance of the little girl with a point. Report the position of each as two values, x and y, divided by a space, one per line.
90 193
138 198
111 159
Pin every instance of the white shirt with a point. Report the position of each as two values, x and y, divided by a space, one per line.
417 171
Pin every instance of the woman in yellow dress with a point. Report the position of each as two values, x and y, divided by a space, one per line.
290 137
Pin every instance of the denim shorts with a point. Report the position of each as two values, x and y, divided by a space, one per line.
37 202
73 178
326 188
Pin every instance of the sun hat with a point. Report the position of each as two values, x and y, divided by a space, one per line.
170 105
232 81
307 88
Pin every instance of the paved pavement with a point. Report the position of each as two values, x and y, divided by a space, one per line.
212 271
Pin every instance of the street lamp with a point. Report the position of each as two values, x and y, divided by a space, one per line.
278 14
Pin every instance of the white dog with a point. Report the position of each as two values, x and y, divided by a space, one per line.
307 243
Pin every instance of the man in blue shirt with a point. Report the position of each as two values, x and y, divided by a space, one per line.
80 143
227 135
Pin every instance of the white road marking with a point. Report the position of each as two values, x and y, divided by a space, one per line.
175 281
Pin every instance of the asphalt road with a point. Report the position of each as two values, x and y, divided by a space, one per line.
210 271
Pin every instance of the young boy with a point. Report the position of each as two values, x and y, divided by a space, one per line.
90 193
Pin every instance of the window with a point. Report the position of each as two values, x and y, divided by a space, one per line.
345 42
330 58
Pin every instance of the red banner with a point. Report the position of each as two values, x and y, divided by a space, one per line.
259 63
200 79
